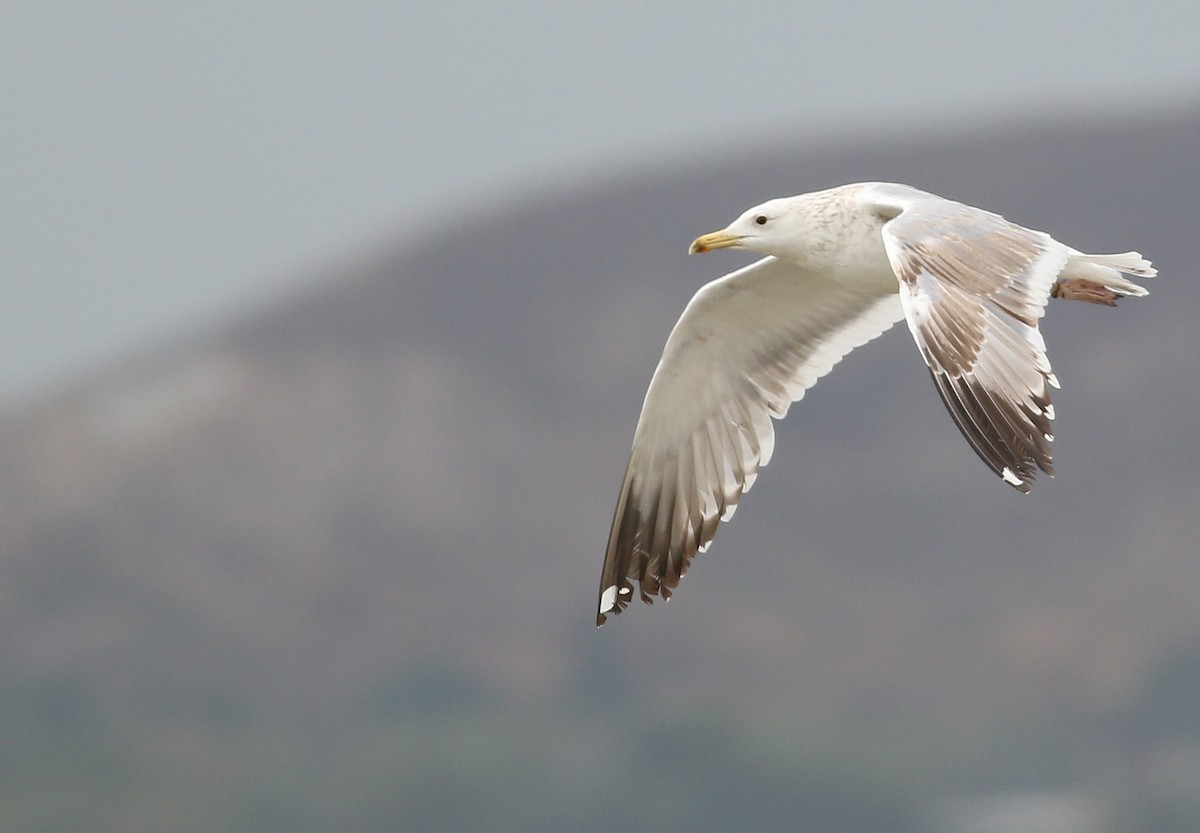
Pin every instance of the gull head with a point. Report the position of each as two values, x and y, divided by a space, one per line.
777 227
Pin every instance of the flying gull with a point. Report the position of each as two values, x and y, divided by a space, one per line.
841 266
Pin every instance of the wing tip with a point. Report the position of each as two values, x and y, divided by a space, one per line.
1011 478
613 599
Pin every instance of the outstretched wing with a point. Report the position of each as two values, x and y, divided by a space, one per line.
973 287
747 346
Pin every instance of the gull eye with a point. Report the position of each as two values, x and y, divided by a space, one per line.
761 219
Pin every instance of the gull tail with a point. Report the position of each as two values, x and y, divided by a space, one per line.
1097 279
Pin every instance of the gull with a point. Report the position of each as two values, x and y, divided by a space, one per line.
841 266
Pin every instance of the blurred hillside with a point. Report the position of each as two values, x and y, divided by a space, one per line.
334 565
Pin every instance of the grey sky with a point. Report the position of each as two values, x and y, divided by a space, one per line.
163 163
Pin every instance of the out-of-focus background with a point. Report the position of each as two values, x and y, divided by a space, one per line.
326 330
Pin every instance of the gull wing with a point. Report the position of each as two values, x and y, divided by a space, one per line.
973 287
747 346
